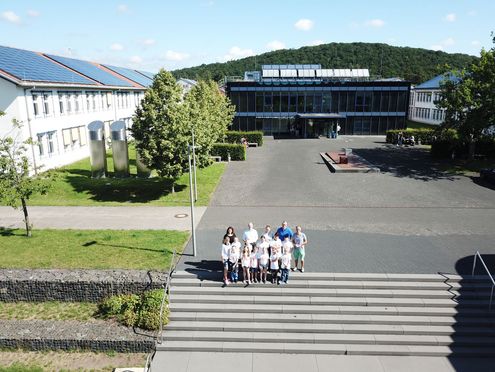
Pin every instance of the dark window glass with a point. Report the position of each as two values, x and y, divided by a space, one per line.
326 103
243 123
343 102
259 102
268 102
392 105
367 102
366 122
300 102
359 101
382 125
234 98
351 98
284 102
385 100
309 102
284 126
293 102
317 103
401 105
250 122
251 102
275 125
335 102
267 126
258 124
235 123
242 102
375 121
276 102
376 101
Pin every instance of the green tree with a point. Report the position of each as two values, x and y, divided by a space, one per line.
469 99
16 183
209 113
160 128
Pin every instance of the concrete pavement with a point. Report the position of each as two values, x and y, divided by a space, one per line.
96 218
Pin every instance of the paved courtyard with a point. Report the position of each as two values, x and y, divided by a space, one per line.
411 217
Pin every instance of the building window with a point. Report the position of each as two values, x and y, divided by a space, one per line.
36 109
46 143
40 145
46 103
68 99
61 105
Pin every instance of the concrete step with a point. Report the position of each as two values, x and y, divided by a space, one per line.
324 309
331 338
274 300
274 290
451 278
301 282
333 319
305 348
281 327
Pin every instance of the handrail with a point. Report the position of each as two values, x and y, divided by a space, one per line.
477 254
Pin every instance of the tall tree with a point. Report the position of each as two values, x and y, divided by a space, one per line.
468 98
16 182
160 128
209 113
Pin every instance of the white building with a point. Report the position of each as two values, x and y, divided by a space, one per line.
55 98
186 84
422 107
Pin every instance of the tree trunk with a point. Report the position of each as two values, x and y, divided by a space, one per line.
173 188
26 218
472 146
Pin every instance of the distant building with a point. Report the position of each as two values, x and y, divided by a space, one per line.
186 84
309 101
422 107
57 97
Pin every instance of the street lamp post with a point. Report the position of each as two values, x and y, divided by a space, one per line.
194 167
191 197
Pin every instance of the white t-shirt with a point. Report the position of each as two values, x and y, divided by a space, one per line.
234 254
268 236
263 247
263 257
245 261
288 246
274 261
286 259
250 236
254 260
225 251
299 240
276 243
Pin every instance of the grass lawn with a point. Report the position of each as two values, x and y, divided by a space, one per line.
73 185
468 167
415 125
52 310
90 249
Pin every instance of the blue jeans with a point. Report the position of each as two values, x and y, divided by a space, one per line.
284 275
234 273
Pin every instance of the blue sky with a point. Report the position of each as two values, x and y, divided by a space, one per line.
173 34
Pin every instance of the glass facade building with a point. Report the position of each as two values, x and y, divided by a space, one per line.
314 106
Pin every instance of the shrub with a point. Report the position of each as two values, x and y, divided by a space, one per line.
446 144
426 136
237 152
251 137
133 310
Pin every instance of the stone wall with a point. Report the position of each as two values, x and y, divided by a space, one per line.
74 285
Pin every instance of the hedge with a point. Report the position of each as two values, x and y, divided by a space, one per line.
251 137
444 147
426 136
236 151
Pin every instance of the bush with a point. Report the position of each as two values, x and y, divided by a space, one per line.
446 144
133 310
426 136
251 137
237 152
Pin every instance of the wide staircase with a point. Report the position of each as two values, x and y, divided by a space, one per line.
329 313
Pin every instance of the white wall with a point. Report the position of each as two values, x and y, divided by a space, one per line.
425 111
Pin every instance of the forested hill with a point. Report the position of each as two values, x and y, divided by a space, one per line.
413 64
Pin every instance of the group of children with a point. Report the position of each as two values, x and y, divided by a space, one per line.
257 259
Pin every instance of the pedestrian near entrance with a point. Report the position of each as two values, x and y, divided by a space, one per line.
300 240
250 236
284 231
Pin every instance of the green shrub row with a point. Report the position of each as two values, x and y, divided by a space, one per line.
424 135
251 137
444 147
134 310
236 151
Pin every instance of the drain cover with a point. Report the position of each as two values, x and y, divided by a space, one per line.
181 215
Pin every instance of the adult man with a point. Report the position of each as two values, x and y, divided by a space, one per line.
284 231
300 240
250 236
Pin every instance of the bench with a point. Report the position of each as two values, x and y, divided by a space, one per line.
216 158
252 144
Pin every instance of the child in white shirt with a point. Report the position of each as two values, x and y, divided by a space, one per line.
254 265
235 251
285 267
246 263
274 257
263 260
225 259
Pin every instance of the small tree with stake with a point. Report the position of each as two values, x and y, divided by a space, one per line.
16 183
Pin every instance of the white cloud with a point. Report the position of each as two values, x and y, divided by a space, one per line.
136 60
122 8
171 55
444 44
275 45
116 47
375 23
304 24
448 42
11 17
33 13
472 13
236 53
475 43
316 42
451 17
148 42
436 47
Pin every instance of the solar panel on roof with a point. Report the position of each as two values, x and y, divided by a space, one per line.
131 75
147 74
30 66
91 71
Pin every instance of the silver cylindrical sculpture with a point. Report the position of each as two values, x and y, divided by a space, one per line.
142 170
98 156
119 149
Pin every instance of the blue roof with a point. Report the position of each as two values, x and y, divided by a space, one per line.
435 82
92 71
147 74
30 66
131 75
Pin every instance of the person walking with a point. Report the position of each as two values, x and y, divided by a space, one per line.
300 240
250 236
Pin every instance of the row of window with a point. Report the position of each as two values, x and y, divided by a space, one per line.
423 97
422 113
438 115
45 103
324 102
74 137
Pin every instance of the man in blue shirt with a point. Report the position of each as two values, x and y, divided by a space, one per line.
284 231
